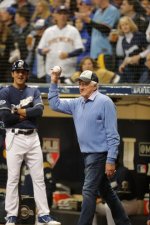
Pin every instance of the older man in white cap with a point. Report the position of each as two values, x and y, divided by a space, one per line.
95 120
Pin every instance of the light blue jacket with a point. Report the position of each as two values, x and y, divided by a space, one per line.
95 121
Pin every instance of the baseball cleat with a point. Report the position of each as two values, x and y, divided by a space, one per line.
47 220
11 220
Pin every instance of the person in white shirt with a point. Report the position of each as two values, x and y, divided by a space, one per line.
61 43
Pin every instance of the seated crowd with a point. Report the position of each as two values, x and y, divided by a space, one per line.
110 37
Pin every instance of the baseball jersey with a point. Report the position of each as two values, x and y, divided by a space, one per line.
12 98
59 40
136 44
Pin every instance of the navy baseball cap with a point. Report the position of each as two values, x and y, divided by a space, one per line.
87 2
11 10
88 76
20 65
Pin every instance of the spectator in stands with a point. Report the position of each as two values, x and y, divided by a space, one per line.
6 45
85 7
105 17
146 5
7 16
123 183
21 30
105 76
61 44
145 77
134 43
34 59
134 10
86 39
42 11
25 4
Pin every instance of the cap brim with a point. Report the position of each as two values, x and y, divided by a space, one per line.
83 79
39 28
62 11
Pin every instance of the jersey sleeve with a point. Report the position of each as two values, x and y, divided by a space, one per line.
37 109
37 98
6 115
4 100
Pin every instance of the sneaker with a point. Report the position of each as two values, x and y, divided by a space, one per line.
47 220
11 220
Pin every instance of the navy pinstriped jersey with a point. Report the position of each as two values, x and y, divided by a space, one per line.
12 98
136 45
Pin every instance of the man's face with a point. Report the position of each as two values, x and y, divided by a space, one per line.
86 88
20 77
126 8
61 18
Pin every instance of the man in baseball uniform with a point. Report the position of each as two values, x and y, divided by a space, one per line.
20 106
61 43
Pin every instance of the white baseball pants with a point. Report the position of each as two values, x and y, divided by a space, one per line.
24 147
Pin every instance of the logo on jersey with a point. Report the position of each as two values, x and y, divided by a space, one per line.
20 64
23 102
26 101
2 102
26 212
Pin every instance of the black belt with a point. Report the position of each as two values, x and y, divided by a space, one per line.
27 132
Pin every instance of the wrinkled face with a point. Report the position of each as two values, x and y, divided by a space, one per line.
86 89
20 77
126 8
87 65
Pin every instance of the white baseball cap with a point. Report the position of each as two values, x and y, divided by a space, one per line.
39 24
88 76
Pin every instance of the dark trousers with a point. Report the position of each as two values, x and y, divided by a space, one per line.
97 181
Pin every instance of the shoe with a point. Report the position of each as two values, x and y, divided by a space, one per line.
47 220
11 220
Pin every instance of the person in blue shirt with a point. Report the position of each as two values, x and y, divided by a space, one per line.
20 107
105 18
95 120
86 40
